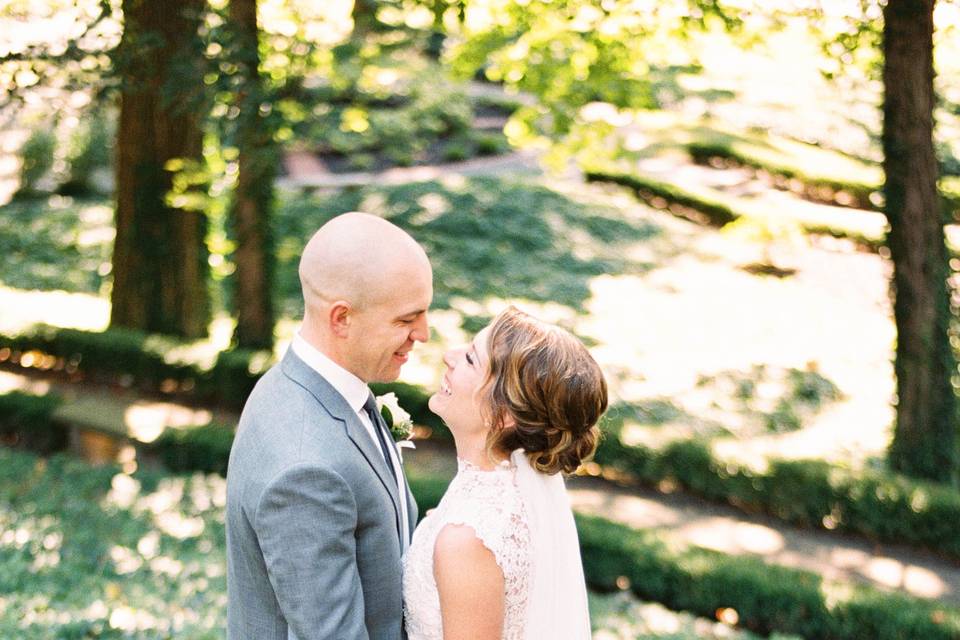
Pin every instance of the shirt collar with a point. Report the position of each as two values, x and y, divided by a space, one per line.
354 390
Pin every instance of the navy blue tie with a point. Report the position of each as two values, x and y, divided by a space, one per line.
370 406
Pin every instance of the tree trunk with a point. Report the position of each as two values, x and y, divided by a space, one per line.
253 199
159 257
924 442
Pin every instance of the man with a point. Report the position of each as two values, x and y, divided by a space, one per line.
318 510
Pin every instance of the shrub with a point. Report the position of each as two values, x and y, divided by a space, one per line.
766 598
650 191
91 148
36 157
137 359
812 493
204 448
27 420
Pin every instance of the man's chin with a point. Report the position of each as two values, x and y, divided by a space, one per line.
383 377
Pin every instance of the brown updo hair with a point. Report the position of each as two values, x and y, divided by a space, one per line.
546 381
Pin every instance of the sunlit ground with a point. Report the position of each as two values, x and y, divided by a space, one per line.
126 552
621 617
834 557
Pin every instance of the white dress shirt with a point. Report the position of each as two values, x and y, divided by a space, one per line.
355 391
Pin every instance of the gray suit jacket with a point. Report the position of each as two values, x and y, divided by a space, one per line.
313 518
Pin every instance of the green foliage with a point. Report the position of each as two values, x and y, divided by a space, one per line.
57 243
426 119
486 237
133 358
27 420
152 543
622 615
766 598
90 148
203 448
849 189
36 157
811 493
663 195
574 52
99 553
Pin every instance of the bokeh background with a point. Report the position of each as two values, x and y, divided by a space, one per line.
746 210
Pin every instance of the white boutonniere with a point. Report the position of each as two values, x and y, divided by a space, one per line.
397 420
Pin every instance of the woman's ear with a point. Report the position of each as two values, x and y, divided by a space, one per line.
339 317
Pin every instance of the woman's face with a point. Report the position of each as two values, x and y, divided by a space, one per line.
457 400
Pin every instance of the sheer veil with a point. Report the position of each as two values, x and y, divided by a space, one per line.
557 606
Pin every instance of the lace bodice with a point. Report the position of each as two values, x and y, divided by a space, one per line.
488 502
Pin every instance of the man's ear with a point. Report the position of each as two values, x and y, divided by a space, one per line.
340 316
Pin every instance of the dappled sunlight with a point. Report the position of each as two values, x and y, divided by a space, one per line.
175 525
124 491
146 421
722 534
894 574
15 382
640 512
683 321
21 309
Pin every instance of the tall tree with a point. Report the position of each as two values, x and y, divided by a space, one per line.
924 442
253 199
159 259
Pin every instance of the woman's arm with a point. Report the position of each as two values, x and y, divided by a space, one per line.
470 584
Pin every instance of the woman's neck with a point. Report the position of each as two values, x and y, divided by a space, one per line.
474 451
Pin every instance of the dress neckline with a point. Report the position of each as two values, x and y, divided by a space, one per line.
465 466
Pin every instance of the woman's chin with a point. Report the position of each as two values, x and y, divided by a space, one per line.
435 403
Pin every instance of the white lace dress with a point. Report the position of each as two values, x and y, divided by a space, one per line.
489 502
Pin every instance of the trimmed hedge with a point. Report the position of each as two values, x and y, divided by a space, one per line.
137 359
133 358
205 448
812 493
27 421
694 207
767 598
861 192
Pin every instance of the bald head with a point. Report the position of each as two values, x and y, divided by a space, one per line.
358 258
367 286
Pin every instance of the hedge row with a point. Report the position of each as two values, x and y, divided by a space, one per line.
767 598
137 359
861 192
27 421
812 493
880 506
694 207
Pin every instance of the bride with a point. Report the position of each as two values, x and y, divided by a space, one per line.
499 557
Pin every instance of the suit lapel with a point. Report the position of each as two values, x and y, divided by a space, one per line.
335 405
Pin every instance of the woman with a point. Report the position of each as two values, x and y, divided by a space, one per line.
499 556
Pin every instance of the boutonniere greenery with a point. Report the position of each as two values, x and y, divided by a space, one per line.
397 420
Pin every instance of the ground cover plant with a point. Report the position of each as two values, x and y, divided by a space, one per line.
131 552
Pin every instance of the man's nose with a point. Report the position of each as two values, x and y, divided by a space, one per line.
421 329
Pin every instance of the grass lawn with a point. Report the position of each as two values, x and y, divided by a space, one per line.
90 552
